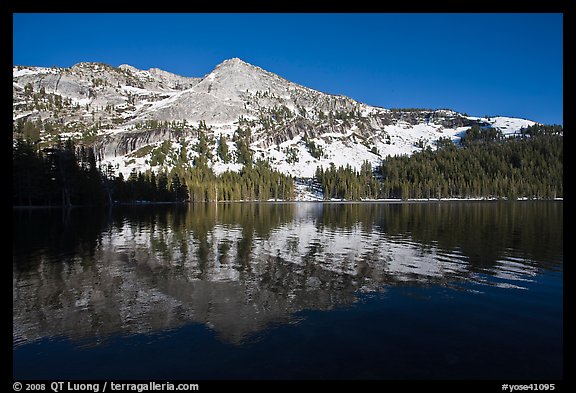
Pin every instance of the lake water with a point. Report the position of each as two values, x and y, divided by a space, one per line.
450 290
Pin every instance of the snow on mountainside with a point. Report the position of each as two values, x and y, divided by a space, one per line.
139 119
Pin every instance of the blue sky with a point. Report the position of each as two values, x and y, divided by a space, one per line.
481 64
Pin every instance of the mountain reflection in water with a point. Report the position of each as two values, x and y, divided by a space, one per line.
240 268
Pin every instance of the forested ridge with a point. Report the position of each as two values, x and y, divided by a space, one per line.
488 164
485 164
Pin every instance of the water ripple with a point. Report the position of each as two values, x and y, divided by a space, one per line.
239 270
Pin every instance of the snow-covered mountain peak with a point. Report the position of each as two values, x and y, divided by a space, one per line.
233 89
242 75
237 65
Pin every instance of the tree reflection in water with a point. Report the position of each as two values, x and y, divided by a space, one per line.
240 267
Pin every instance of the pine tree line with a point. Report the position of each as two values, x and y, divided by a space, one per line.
62 175
487 164
148 187
346 183
254 182
67 175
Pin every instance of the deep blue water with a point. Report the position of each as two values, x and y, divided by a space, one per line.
452 290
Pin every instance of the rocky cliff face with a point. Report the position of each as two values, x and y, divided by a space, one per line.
122 109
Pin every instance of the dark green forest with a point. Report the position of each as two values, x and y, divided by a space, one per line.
485 164
67 175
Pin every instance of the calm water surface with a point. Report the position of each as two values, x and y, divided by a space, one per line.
451 290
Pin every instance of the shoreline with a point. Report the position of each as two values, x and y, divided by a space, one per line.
331 201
